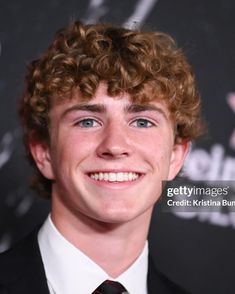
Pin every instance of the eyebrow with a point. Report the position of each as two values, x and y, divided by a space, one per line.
100 108
134 108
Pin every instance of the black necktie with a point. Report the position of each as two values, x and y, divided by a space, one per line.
110 287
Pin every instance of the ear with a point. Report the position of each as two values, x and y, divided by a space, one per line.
179 153
41 155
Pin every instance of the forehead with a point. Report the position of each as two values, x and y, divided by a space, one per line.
103 102
101 96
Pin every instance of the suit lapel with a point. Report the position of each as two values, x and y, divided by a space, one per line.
159 283
23 268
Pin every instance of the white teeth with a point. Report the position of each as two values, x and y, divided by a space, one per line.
115 177
112 177
119 177
106 176
101 176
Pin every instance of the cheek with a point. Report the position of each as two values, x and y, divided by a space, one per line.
157 154
157 150
70 151
72 144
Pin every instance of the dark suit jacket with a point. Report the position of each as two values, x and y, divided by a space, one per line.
22 272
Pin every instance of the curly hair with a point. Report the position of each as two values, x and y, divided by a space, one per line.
146 65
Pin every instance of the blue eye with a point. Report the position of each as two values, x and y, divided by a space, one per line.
87 123
142 123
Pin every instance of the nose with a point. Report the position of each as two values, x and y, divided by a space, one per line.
115 143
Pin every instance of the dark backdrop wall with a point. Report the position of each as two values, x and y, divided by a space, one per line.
195 249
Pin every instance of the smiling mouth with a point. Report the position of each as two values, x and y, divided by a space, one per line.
115 177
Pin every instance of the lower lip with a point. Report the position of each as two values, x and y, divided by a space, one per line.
116 185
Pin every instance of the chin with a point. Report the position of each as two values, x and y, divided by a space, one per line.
118 216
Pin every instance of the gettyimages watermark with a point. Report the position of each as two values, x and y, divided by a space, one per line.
183 196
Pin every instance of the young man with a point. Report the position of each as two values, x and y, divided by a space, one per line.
108 114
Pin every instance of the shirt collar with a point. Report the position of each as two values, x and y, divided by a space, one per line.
69 270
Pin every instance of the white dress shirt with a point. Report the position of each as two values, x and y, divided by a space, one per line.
70 271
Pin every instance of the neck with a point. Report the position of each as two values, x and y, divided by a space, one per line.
114 247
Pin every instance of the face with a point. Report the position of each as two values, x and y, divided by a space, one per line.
108 157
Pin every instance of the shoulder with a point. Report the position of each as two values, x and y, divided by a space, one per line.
21 265
158 282
23 253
